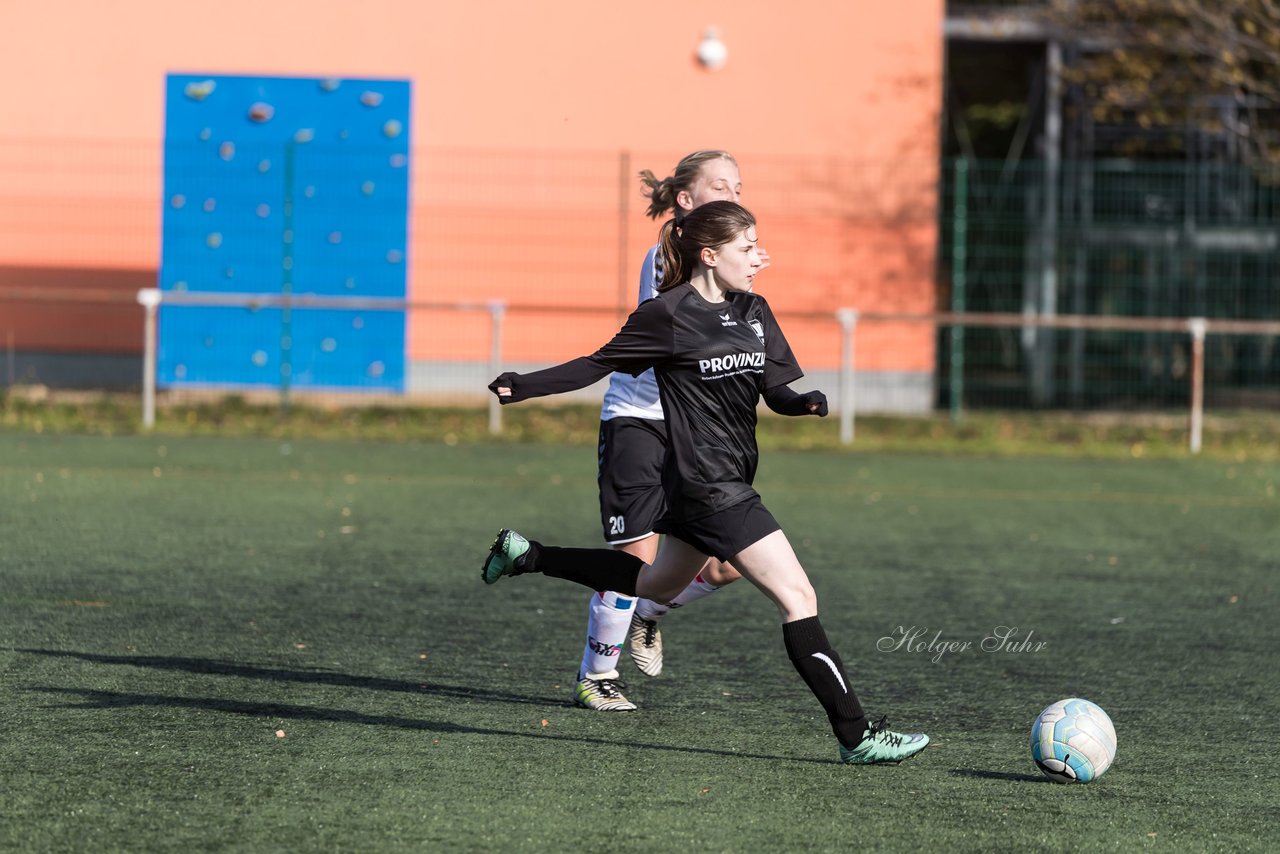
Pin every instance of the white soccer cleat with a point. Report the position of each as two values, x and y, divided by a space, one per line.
603 695
645 643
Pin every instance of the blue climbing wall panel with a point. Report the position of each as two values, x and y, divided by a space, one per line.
284 186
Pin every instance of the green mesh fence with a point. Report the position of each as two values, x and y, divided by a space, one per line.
1112 238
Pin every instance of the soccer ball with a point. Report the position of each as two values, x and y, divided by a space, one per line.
1073 741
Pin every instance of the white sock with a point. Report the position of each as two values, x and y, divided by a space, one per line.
650 610
608 618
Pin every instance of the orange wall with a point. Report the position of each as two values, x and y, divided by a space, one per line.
830 106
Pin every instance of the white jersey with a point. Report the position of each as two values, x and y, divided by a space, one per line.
637 397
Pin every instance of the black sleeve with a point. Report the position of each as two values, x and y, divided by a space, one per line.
780 365
784 401
572 375
643 341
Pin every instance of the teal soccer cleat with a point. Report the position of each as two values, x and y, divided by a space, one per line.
882 746
506 556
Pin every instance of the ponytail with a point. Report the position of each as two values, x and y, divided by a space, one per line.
661 193
674 269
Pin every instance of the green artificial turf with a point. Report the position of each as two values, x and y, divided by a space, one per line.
254 644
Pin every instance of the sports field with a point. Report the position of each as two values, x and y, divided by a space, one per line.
246 644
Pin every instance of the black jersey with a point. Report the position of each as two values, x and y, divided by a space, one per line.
712 361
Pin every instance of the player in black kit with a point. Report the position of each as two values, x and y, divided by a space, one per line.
715 349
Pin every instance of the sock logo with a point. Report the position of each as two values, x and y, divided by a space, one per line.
835 671
608 650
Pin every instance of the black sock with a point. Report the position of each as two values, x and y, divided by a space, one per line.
599 569
821 669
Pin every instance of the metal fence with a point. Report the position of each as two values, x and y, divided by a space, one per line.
1119 239
973 284
1199 381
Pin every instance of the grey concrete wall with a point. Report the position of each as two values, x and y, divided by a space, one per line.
91 371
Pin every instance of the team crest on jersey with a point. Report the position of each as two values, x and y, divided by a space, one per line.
758 327
725 321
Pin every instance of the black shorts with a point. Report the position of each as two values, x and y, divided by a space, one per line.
630 478
726 532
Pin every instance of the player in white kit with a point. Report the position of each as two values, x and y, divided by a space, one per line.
632 446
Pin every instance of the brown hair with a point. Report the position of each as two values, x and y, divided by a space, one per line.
711 225
662 194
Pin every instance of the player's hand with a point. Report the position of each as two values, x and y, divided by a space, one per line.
764 257
816 403
502 385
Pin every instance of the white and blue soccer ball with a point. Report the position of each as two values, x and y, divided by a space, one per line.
1073 741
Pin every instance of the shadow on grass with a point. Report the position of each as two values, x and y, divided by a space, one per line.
216 667
1000 775
92 699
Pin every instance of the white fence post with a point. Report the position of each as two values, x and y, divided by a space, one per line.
848 318
497 311
149 299
1197 327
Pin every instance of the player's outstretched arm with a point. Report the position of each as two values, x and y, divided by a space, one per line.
511 387
784 401
643 341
